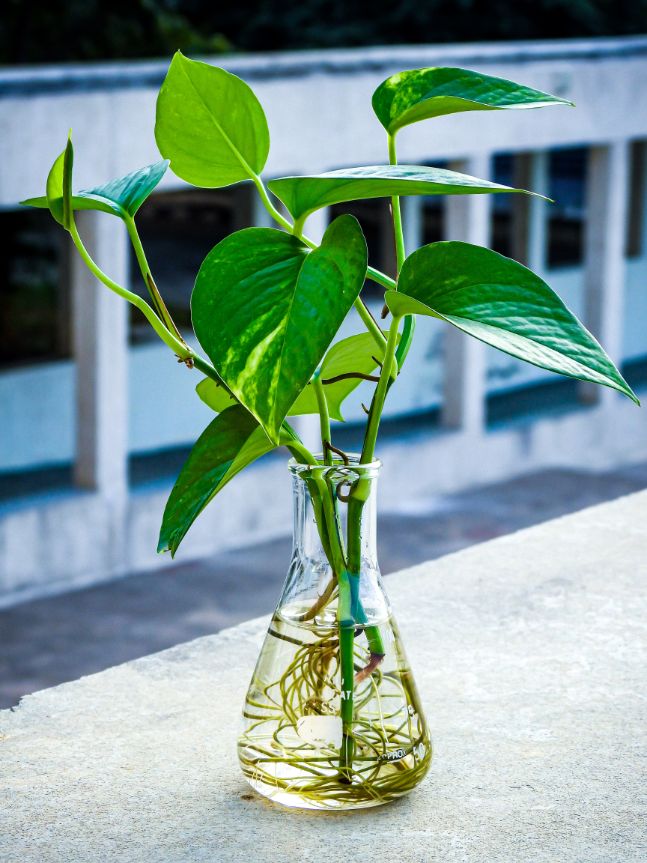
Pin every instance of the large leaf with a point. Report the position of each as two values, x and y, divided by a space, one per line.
265 310
210 125
503 304
229 443
353 354
303 195
121 197
420 94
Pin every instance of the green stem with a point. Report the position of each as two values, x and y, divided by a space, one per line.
149 281
400 252
269 206
375 414
324 416
176 345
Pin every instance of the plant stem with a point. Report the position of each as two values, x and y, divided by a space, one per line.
375 414
176 345
324 416
269 206
401 254
147 275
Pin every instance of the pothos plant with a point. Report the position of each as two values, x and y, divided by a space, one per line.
268 302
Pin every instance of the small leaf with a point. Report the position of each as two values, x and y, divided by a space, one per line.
118 197
419 94
54 189
214 396
230 442
303 195
502 303
210 125
68 170
265 310
352 354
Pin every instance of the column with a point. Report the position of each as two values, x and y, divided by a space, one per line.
529 234
100 335
604 261
467 219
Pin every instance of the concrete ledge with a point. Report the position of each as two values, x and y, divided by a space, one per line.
42 550
527 652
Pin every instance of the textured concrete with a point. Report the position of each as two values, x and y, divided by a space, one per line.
527 652
49 641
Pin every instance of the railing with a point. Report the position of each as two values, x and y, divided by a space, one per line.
111 107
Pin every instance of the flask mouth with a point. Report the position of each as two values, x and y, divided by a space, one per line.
355 465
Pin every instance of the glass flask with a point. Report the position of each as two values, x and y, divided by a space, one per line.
332 718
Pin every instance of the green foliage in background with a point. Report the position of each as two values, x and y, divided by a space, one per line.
39 31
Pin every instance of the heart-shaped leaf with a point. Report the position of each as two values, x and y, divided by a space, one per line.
505 305
210 125
265 310
121 197
419 94
353 354
230 442
303 195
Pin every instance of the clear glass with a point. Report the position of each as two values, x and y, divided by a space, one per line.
332 717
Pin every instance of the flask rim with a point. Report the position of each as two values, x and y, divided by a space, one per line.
366 469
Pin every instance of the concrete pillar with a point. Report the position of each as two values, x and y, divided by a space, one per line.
100 330
412 222
529 234
604 261
467 219
537 237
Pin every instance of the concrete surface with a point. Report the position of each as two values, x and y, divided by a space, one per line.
528 655
50 641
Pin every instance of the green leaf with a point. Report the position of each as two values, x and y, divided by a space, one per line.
230 442
265 310
303 195
420 94
505 305
214 396
353 354
54 189
210 125
122 197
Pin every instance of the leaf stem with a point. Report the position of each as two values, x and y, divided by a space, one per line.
178 347
324 416
375 414
147 275
401 254
269 206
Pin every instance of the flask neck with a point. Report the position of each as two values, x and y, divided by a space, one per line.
334 574
335 509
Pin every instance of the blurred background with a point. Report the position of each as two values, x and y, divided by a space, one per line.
96 417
